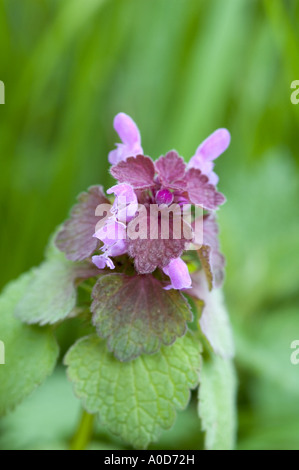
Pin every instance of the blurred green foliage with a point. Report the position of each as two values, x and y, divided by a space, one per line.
181 69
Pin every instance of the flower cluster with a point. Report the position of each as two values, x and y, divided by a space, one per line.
146 195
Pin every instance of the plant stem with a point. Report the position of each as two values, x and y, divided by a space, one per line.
84 432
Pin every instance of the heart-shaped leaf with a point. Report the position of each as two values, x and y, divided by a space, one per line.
135 400
137 315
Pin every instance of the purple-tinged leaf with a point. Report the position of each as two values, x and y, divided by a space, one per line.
150 254
85 270
160 239
171 171
137 315
213 262
201 192
75 238
211 239
204 254
137 171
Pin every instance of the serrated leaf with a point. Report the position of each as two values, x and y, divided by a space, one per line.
137 399
201 192
51 293
171 170
137 171
217 407
213 262
76 235
156 236
137 315
30 352
204 254
214 321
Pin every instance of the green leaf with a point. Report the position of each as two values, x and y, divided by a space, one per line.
51 294
30 352
137 399
217 407
214 321
137 315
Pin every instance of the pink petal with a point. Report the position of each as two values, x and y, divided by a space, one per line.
213 146
123 190
119 154
130 136
213 178
119 248
126 203
101 261
179 275
111 232
127 130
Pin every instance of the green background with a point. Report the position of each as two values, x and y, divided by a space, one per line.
181 69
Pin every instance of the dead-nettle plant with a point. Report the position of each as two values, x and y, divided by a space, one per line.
142 267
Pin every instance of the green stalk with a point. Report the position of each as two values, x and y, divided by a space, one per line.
84 432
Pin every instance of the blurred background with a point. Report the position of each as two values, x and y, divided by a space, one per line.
181 69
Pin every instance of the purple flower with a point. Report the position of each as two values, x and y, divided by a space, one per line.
179 275
113 237
151 199
164 196
162 182
130 136
111 232
170 173
126 203
208 151
101 261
